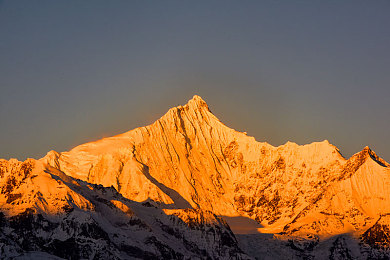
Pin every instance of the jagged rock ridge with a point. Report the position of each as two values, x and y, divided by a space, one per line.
47 214
304 195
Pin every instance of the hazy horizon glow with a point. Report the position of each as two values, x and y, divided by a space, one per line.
76 71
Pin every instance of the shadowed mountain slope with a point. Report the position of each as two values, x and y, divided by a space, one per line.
45 211
307 197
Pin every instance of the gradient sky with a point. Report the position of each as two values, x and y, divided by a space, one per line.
77 71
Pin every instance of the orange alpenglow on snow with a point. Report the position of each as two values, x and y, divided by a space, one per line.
190 165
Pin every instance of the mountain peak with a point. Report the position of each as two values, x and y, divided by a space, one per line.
375 157
197 103
195 106
367 152
197 98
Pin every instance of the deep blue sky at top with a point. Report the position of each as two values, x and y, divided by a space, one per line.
76 71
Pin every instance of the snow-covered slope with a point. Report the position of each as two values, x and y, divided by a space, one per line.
307 200
207 164
46 211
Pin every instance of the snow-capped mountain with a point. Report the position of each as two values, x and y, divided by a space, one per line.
176 189
47 214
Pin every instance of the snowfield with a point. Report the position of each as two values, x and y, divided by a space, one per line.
189 187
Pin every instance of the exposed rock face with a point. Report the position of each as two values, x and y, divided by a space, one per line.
377 238
71 219
189 163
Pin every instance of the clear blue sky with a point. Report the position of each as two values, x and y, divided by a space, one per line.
76 71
